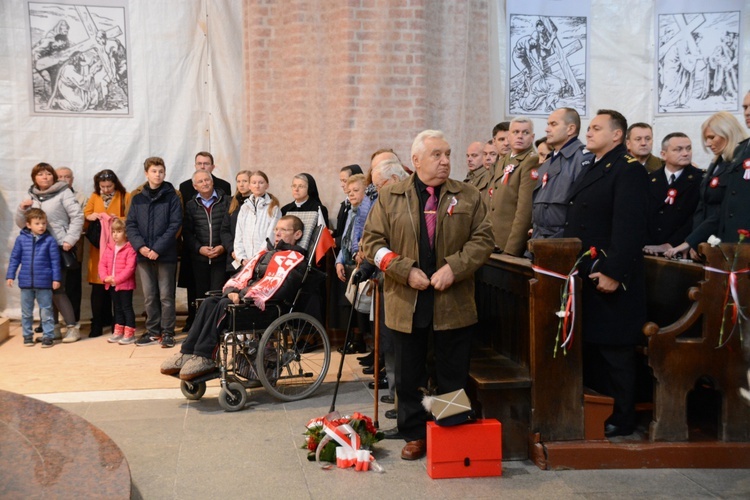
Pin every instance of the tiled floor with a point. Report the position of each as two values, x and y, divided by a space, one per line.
180 449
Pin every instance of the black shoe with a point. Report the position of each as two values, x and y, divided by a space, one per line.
38 329
370 370
147 339
387 399
392 414
167 340
353 348
368 359
188 324
95 332
392 434
383 384
616 430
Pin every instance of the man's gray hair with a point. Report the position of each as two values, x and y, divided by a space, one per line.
202 172
389 168
417 147
523 119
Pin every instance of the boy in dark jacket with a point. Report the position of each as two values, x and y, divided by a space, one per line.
37 254
153 222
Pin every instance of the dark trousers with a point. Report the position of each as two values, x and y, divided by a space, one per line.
452 353
74 290
101 307
204 334
206 277
123 302
610 370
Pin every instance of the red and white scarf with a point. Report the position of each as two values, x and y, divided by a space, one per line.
278 269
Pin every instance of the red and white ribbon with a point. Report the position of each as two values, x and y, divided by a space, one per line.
732 286
545 178
746 166
671 195
714 182
452 205
567 311
506 173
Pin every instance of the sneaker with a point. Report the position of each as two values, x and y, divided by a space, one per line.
174 364
73 335
196 366
28 342
57 334
147 339
167 340
127 340
47 342
114 338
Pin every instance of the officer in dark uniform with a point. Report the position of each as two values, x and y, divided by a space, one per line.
674 192
607 210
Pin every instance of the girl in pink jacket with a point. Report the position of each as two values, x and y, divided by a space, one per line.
117 272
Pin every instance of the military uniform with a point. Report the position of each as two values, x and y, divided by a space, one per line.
671 206
653 163
480 179
607 210
550 197
735 209
510 201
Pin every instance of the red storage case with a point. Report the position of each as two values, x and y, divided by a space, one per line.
467 450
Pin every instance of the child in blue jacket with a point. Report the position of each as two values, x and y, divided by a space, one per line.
36 252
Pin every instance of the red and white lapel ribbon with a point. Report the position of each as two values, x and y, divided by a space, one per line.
568 314
746 166
671 195
506 173
545 178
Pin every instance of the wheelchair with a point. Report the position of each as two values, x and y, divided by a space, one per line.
285 351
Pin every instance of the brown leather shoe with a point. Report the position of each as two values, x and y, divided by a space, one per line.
414 450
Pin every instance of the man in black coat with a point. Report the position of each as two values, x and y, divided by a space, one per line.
607 210
673 195
201 234
203 161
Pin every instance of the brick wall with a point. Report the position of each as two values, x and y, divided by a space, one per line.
328 82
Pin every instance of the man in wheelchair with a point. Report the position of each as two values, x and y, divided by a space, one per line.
271 274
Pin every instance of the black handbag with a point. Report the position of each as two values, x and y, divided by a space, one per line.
69 260
94 232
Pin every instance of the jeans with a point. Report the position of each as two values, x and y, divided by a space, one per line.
123 301
44 297
158 280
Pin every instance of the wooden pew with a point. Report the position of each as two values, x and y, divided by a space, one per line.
515 377
680 360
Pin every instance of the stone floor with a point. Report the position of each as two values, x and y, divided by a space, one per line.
192 449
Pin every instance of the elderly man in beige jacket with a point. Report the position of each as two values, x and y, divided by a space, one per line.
428 234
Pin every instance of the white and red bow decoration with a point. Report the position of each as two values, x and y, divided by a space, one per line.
746 166
671 195
506 173
545 178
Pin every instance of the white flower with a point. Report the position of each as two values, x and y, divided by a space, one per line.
562 314
714 241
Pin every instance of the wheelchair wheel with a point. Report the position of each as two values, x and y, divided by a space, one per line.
233 398
192 392
293 356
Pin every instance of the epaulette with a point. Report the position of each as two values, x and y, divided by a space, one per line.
629 158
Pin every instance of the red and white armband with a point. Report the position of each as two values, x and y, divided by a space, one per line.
383 257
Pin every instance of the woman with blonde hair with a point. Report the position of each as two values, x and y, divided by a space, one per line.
229 224
256 220
721 133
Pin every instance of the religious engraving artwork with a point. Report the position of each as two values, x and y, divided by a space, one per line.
698 62
79 61
547 63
